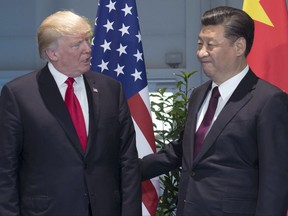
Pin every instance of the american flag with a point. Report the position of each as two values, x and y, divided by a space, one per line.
117 52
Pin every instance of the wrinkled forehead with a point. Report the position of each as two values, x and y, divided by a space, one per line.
212 31
77 35
73 38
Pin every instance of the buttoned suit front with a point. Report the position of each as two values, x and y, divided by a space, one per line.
44 171
242 167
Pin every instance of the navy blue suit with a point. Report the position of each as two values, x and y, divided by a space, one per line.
43 170
242 167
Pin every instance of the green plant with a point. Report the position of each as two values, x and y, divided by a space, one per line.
171 111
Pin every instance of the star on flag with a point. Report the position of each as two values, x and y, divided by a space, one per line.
117 52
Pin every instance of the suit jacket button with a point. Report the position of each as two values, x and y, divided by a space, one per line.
85 166
193 174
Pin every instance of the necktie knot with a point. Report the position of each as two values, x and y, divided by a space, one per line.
215 93
69 81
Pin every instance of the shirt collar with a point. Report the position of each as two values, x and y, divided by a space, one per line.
228 87
59 77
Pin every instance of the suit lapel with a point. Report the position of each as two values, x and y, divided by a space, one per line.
237 101
55 104
195 103
93 102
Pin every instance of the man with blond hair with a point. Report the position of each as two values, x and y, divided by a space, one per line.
56 161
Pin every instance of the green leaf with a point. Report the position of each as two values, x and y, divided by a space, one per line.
171 110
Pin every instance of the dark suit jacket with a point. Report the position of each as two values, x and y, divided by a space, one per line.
242 168
43 170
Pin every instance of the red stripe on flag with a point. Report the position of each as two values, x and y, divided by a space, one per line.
149 197
142 118
132 80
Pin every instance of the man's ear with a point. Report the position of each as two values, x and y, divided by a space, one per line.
240 46
52 54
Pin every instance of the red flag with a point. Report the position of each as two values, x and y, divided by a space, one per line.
269 55
117 52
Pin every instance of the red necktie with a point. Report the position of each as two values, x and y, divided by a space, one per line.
75 111
206 122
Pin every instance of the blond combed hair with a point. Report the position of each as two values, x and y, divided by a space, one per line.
57 25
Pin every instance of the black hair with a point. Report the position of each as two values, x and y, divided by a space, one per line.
237 23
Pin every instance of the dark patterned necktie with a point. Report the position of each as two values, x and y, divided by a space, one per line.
76 113
206 122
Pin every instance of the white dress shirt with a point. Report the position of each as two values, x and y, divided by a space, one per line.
226 89
79 90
